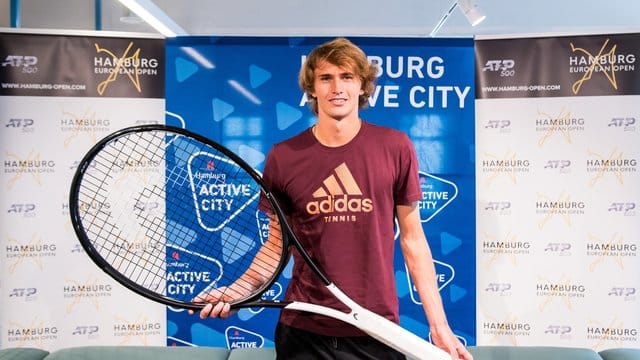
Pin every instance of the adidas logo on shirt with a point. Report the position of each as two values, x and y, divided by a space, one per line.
339 193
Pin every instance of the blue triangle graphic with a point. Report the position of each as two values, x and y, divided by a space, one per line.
221 109
235 245
172 328
184 69
448 243
252 156
286 115
456 293
258 76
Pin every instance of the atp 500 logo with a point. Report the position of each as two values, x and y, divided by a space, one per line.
502 126
498 207
626 123
561 331
502 289
25 125
562 166
22 209
504 67
624 208
26 294
89 331
26 63
625 293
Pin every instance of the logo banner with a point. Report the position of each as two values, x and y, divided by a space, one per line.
79 66
596 65
558 184
59 95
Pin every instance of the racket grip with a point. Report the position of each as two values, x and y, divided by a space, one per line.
398 338
378 327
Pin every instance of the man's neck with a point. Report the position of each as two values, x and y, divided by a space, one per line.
335 133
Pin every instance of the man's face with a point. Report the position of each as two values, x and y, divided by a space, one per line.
337 91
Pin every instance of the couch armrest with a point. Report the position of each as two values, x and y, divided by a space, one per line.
253 354
25 353
532 353
139 353
620 354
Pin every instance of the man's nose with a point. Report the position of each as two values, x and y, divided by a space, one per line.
336 87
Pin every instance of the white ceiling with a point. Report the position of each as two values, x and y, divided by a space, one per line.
340 17
399 17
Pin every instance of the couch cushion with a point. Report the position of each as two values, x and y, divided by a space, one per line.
23 354
620 354
253 354
532 353
139 353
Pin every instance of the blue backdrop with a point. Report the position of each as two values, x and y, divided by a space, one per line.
243 93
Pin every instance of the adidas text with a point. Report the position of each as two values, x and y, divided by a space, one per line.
339 204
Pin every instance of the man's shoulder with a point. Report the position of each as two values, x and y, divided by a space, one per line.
295 143
387 132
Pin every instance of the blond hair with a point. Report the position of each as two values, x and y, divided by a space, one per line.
342 53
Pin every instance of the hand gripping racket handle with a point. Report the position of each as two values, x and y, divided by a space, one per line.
377 327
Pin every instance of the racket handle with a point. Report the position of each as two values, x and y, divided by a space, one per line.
378 327
399 338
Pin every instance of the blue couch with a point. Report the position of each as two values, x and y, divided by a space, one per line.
212 353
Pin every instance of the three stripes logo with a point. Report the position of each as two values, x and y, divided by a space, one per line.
339 194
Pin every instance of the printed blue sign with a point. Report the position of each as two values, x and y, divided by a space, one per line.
243 92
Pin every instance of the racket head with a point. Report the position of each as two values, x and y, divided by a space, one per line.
170 215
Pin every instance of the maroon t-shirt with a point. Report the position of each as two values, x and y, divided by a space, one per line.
341 203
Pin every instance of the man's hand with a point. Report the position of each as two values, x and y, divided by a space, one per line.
217 303
444 338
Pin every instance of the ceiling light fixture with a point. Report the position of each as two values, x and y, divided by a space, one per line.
154 16
470 10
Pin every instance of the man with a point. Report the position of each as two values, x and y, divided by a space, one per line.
342 182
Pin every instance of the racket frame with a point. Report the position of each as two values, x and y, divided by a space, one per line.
80 231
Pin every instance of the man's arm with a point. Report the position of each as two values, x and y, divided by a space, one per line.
260 271
419 260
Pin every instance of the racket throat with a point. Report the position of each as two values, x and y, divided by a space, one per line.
352 317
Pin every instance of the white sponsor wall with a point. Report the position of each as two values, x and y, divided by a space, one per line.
558 143
51 295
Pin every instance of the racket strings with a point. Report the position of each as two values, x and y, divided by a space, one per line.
179 218
122 166
244 276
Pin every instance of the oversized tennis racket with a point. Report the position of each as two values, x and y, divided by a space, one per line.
172 215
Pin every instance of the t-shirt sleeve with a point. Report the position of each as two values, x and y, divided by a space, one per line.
407 187
268 179
271 176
